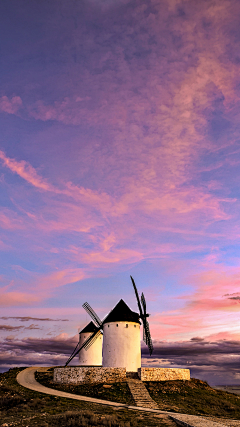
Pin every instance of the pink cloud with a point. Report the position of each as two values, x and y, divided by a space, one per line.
10 106
15 298
10 220
115 256
43 284
145 198
60 278
25 171
51 112
212 304
176 210
224 336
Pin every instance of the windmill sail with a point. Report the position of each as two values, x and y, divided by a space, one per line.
72 355
92 313
89 341
137 296
92 339
143 316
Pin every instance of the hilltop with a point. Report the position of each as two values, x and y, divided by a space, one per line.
26 408
20 406
194 397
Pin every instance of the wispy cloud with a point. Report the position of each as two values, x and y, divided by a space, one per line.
37 319
10 328
25 171
10 106
16 298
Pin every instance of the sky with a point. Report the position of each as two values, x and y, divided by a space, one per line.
119 156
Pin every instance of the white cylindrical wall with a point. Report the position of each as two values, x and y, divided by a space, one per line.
121 345
93 355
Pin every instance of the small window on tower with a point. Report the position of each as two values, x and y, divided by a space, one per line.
117 324
108 325
134 326
126 325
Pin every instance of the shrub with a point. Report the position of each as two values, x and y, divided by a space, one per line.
86 419
7 402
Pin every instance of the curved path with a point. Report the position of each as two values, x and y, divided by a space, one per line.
26 378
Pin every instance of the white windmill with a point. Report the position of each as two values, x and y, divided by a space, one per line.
92 357
121 335
121 342
90 338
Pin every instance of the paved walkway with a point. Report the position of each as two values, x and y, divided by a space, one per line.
185 420
26 378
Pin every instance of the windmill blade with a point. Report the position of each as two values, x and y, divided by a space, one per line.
143 301
92 313
148 337
137 296
92 340
89 341
144 335
72 355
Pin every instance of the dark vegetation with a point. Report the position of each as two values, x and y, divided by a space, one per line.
116 392
194 397
23 407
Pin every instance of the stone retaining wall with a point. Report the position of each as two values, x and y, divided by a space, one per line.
163 374
88 375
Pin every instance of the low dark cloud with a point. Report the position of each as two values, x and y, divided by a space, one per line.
195 348
57 345
197 339
36 351
217 362
17 328
39 319
234 296
10 328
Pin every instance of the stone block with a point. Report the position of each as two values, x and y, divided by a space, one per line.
88 375
163 374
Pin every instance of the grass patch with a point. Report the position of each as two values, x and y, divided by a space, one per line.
23 407
115 392
194 397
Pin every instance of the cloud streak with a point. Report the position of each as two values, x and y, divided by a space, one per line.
28 318
25 171
10 106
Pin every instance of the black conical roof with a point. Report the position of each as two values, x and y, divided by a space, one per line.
89 328
122 313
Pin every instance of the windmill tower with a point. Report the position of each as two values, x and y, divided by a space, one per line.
92 357
121 335
121 339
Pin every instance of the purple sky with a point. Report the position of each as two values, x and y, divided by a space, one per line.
119 155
